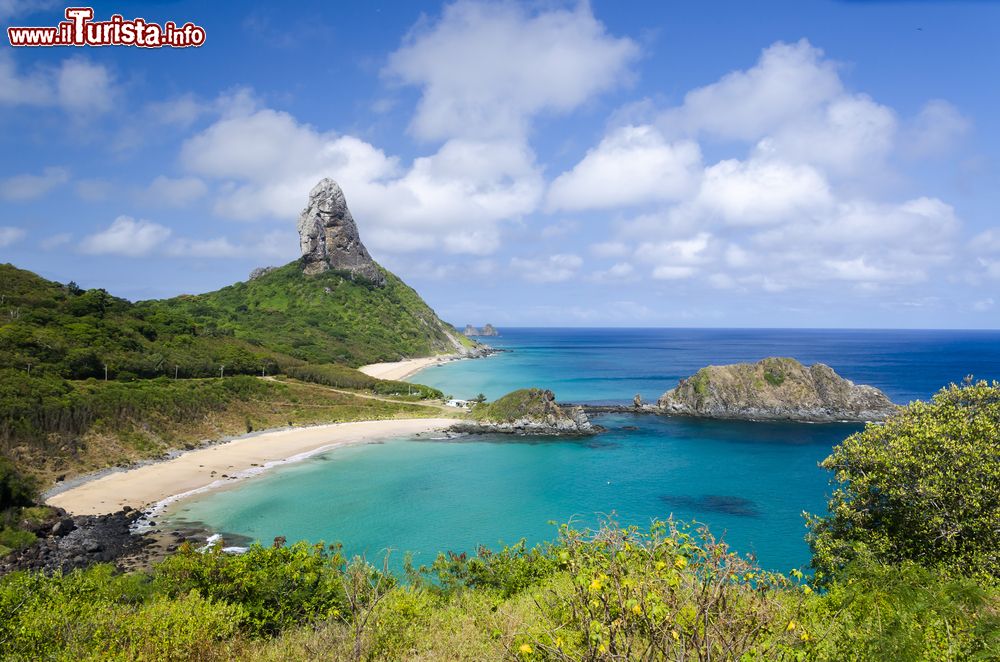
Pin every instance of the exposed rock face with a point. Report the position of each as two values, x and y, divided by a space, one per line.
529 411
329 237
488 330
775 389
260 272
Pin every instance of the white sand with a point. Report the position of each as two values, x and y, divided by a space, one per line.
403 369
193 470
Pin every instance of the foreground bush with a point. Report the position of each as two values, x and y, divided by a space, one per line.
923 487
669 593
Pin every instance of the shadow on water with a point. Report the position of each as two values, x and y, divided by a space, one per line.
715 503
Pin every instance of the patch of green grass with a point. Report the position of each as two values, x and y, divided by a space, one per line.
523 403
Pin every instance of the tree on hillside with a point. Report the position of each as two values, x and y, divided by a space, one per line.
924 486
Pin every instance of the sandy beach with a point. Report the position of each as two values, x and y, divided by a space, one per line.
403 369
205 467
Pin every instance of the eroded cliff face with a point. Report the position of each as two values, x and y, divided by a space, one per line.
329 239
775 389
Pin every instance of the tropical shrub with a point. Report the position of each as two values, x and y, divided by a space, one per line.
924 487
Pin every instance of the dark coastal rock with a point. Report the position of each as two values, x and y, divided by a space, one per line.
775 389
77 542
329 239
528 411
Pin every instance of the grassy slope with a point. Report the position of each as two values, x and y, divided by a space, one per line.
321 319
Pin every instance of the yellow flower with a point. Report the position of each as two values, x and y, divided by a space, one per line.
660 565
673 633
805 636
806 590
525 648
680 562
637 610
595 585
602 648
791 626
559 642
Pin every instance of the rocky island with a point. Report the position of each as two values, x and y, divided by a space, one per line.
528 411
487 330
775 389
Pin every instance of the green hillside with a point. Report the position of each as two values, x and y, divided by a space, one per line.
326 318
90 379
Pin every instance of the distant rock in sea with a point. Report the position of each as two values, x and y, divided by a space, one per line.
487 330
528 411
775 389
329 239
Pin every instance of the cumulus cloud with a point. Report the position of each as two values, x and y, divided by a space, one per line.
936 129
29 187
486 68
12 8
127 237
790 208
551 269
452 199
632 165
10 235
788 81
77 85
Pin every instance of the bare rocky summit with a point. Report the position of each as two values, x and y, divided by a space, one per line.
775 389
329 239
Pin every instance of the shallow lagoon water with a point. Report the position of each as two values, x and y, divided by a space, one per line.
749 482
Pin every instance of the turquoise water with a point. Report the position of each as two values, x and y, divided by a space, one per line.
749 482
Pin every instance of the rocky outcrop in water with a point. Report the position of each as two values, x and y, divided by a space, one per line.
329 239
528 411
775 389
473 332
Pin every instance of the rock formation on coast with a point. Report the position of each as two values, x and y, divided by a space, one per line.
329 239
775 389
528 411
487 330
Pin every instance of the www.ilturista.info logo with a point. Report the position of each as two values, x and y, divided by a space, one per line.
79 29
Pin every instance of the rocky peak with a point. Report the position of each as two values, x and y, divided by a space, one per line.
329 236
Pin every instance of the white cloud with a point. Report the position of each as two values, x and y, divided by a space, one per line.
620 272
632 165
760 192
553 269
126 236
486 68
452 199
276 245
983 305
936 129
676 259
85 87
609 249
29 187
78 86
10 235
170 192
788 81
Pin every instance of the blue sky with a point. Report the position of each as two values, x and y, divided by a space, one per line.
789 164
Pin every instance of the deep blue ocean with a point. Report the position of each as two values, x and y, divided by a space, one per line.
749 482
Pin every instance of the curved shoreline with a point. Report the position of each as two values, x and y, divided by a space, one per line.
401 370
204 469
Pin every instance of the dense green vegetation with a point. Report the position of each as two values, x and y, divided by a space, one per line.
319 319
523 403
87 375
614 594
923 487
